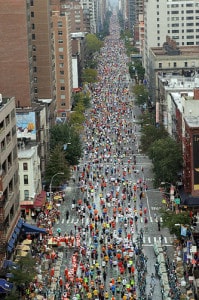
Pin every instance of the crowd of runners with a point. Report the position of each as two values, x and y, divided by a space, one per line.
112 188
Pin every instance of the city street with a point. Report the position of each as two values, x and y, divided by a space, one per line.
111 202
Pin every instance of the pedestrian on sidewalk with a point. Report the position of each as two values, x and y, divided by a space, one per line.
158 224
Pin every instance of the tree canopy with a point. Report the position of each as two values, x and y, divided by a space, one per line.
173 221
167 160
89 75
141 94
93 44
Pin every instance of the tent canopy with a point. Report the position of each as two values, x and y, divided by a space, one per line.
30 229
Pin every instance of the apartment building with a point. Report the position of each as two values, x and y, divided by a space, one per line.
9 180
178 19
90 12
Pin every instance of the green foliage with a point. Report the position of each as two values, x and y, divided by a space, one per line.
166 156
67 134
89 75
93 44
150 133
170 219
85 98
57 163
141 94
24 274
136 69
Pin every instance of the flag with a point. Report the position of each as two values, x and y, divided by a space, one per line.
183 230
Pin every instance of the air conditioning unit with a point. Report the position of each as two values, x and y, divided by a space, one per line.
1 193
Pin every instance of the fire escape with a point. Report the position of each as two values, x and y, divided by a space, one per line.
2 226
187 163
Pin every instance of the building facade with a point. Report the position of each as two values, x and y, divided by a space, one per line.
178 19
9 180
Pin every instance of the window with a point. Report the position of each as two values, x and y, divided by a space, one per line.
31 2
59 23
63 97
175 12
33 36
174 64
61 65
62 88
160 65
25 179
190 30
60 41
158 19
33 26
26 194
158 31
61 72
35 69
189 18
61 81
190 43
25 166
59 32
190 24
61 57
175 31
61 49
189 11
34 58
34 48
189 37
185 64
63 104
32 14
189 5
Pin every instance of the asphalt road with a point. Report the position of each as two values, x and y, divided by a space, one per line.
113 166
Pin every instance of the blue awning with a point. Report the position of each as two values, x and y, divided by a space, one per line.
14 236
20 223
11 244
29 229
5 286
17 230
8 263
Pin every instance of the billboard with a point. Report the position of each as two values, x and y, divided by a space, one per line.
26 125
196 161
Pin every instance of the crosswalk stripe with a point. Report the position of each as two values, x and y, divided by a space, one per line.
62 221
141 220
144 239
165 240
151 219
155 239
68 221
149 240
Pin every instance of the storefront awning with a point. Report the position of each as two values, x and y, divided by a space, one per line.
30 229
40 200
188 199
26 204
5 286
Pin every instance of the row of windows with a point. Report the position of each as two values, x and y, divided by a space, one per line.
182 5
176 12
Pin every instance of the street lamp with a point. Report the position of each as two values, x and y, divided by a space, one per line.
59 173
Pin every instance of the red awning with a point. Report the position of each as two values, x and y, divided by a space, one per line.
26 204
75 90
40 199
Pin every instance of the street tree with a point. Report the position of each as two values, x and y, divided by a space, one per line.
22 276
81 96
89 75
166 156
173 221
67 136
150 133
141 94
57 163
93 44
